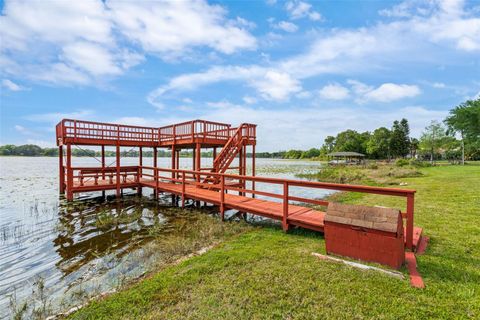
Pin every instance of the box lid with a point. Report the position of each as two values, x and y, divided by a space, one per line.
378 218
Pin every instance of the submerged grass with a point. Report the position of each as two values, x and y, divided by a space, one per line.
266 274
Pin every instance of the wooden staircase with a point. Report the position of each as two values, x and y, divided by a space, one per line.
231 149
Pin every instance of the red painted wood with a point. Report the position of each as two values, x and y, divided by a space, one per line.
365 244
210 186
415 277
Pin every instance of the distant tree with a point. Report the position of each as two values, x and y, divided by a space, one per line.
432 138
310 153
414 145
351 140
29 150
83 153
293 154
378 145
50 152
8 150
329 143
400 138
465 120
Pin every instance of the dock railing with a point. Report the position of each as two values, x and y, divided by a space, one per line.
81 176
194 129
136 175
106 133
189 177
81 131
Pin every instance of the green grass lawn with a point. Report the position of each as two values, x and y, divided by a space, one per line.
266 274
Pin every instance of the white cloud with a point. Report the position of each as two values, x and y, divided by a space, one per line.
276 85
174 26
343 51
35 35
90 57
353 51
286 26
249 100
25 131
137 121
334 92
359 88
300 9
304 95
12 86
223 104
81 42
439 85
388 92
449 23
41 143
55 117
271 84
407 9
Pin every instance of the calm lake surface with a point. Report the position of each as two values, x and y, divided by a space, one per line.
69 247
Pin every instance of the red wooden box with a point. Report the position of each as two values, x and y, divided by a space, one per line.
365 233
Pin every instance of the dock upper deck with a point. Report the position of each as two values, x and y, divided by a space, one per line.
187 134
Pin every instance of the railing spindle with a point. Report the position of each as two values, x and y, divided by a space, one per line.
285 207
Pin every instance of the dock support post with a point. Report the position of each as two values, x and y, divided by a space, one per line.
244 167
155 154
410 208
173 166
240 168
198 160
177 165
155 176
103 169
253 169
140 164
285 224
222 197
61 170
117 154
183 190
174 162
69 173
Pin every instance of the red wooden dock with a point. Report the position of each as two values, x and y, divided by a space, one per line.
210 185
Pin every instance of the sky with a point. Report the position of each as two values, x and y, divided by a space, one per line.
300 70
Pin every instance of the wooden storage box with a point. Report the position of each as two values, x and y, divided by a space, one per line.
372 234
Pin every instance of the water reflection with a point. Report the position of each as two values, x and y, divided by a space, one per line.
88 245
91 229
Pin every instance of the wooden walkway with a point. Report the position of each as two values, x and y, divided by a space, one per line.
298 215
188 185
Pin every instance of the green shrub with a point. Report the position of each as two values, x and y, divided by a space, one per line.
372 166
419 164
402 162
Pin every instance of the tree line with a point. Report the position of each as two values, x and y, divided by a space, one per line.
32 150
438 141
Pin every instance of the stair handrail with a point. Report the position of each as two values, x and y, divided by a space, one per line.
233 139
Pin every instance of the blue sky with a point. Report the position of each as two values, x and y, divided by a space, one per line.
301 70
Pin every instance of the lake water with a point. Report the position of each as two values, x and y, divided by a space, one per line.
71 248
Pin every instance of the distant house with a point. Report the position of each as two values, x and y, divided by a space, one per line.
346 158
